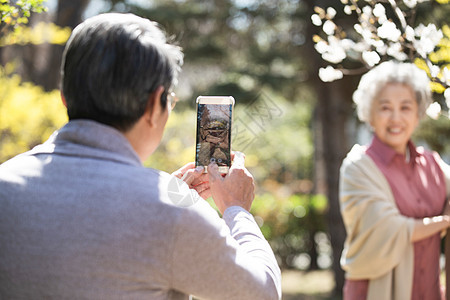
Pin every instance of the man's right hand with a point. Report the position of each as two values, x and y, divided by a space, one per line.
237 188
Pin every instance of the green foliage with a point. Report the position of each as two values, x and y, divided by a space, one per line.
178 144
276 138
290 224
435 134
258 41
28 115
13 15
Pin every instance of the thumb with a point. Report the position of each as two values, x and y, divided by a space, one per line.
190 175
239 160
213 171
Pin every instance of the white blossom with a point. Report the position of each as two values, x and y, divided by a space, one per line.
380 12
316 20
418 30
382 19
329 27
366 14
347 10
395 50
336 52
365 33
434 71
377 43
410 35
446 74
381 47
344 1
361 46
388 30
332 51
410 3
331 12
434 110
430 36
371 58
432 33
347 44
367 10
447 97
329 74
321 46
335 49
335 55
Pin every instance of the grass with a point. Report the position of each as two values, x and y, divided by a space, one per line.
311 285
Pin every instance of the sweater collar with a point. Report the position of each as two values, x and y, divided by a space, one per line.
87 138
387 154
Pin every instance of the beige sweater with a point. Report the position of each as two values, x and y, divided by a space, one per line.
378 245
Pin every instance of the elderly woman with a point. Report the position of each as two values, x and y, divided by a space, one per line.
393 194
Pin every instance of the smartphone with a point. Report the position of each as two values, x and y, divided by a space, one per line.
214 117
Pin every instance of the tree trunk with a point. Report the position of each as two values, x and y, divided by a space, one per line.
334 107
68 14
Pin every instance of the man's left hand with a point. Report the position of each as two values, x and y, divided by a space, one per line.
195 179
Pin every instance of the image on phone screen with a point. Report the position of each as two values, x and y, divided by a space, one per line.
213 135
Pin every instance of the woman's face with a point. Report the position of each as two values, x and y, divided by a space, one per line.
394 115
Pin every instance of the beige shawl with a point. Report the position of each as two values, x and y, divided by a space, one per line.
378 246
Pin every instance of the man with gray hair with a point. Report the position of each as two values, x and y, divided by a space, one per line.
81 218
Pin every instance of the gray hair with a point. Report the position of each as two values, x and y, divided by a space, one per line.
391 72
112 63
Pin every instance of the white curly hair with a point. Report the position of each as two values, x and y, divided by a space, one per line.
376 79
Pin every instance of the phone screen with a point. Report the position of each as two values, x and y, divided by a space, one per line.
214 135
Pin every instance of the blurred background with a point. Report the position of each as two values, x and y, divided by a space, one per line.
294 126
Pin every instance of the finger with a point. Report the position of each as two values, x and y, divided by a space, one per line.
213 171
205 194
192 174
187 167
182 171
196 183
203 189
202 178
239 160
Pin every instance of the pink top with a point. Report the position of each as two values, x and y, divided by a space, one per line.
419 190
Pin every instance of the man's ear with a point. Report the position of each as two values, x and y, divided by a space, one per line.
63 99
154 108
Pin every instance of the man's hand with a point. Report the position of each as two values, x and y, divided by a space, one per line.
195 179
237 188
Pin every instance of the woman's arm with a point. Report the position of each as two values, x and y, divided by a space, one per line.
429 226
